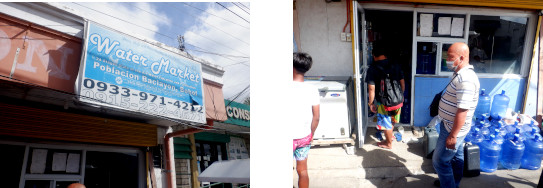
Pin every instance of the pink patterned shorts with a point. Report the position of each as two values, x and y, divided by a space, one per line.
301 147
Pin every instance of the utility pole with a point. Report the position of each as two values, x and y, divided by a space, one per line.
181 41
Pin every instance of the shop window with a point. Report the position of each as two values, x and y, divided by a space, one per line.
53 161
12 157
110 170
426 57
497 43
444 57
208 153
440 25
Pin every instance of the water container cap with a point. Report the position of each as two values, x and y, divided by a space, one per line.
538 138
517 130
534 130
503 92
477 129
516 138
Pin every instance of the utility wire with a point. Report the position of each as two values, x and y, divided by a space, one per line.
232 12
238 95
243 62
211 25
241 8
221 54
186 4
145 28
185 28
244 6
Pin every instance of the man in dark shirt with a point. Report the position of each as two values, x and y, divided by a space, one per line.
376 73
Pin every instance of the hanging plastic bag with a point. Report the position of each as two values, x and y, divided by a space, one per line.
435 122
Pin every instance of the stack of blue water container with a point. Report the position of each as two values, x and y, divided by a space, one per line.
512 146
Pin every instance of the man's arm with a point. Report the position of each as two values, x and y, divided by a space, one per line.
371 95
402 83
316 117
459 121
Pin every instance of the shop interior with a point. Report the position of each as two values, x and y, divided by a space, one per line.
395 29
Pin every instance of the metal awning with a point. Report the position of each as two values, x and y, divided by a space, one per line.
232 171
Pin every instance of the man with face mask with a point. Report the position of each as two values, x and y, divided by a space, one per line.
456 108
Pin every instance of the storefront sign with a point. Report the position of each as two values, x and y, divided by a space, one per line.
238 114
38 55
124 72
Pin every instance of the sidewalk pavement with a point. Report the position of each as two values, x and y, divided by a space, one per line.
402 167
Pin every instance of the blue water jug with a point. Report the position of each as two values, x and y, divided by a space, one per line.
484 120
485 131
483 105
499 128
476 137
490 151
533 153
499 105
518 131
511 153
532 133
530 127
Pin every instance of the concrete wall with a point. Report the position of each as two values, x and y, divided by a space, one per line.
182 169
320 26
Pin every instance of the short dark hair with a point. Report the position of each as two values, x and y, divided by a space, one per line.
302 61
378 48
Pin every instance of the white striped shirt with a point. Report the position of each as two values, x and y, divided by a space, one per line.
462 92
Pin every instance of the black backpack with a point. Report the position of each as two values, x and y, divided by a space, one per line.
390 92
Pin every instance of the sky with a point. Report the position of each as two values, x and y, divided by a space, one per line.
216 32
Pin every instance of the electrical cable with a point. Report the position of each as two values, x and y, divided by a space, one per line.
186 4
213 26
186 28
238 95
232 12
145 28
240 8
244 6
221 54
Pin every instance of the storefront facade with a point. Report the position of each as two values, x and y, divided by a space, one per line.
54 137
500 35
229 140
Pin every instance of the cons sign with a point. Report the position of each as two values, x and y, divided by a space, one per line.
238 114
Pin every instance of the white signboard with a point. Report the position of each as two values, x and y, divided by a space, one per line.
123 72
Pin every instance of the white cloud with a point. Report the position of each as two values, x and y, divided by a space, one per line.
138 19
212 33
236 77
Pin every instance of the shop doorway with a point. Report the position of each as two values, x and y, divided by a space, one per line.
395 28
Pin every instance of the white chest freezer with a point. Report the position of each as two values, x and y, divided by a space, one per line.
336 106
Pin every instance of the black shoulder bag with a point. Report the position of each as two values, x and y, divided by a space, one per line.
434 107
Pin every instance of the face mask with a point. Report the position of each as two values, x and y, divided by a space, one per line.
450 65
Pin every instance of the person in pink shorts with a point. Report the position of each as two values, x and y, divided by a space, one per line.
306 119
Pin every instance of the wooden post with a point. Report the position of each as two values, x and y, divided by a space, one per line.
193 163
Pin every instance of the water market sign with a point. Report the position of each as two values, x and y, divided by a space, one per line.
238 114
123 72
